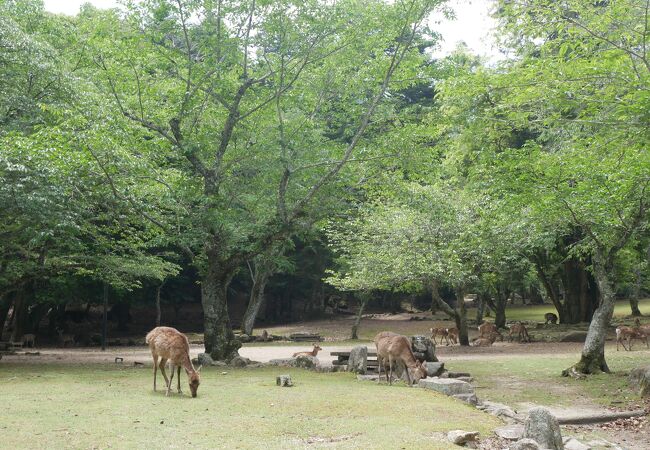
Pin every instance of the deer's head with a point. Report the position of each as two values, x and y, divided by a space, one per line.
317 348
419 372
195 380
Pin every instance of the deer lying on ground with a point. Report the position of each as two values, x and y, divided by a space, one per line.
29 340
624 333
395 348
314 352
171 345
486 341
520 330
550 318
65 338
488 328
442 332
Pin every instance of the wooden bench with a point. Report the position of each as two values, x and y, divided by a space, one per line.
305 337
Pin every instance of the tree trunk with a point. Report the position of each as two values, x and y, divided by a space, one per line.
158 310
593 352
219 338
260 279
500 313
105 317
461 317
636 293
355 327
19 316
480 308
5 304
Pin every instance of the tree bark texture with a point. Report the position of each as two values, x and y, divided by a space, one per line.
219 338
260 279
357 319
461 317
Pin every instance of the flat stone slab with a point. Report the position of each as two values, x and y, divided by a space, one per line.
574 444
461 437
512 432
447 386
500 410
586 419
472 399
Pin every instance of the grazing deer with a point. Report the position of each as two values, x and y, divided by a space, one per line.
452 333
624 333
550 318
65 338
486 341
171 345
442 332
394 348
488 328
314 352
520 330
29 340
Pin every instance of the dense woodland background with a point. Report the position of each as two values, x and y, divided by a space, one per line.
282 160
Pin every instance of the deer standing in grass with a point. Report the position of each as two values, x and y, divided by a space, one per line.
65 338
624 333
442 332
29 340
171 345
393 348
314 352
453 335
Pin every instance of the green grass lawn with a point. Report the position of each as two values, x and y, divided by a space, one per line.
519 379
100 407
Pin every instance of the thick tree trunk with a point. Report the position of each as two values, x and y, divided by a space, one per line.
501 302
461 317
5 304
219 338
357 320
260 279
593 352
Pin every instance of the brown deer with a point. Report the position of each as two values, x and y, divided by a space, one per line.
550 318
442 332
643 330
488 328
394 348
624 333
314 352
29 340
486 341
520 330
453 335
65 338
171 345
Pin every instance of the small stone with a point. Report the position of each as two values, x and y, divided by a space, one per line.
458 374
466 379
367 377
498 409
544 428
574 444
460 437
526 444
511 432
203 359
239 361
446 386
284 381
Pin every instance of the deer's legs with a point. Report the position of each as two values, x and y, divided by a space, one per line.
178 378
390 370
161 365
379 364
155 370
171 379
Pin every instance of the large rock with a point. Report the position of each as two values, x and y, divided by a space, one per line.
446 386
544 428
472 399
511 432
358 361
434 368
423 348
526 444
306 362
640 380
284 381
461 437
574 336
239 361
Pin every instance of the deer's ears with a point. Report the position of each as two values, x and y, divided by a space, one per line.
199 369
